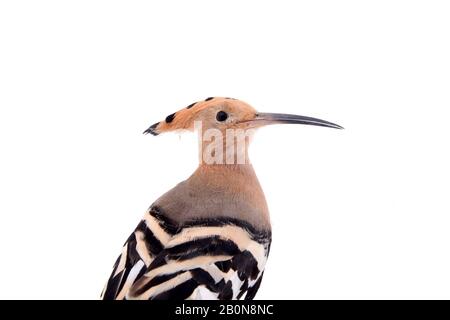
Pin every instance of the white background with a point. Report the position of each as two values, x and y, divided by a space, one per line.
360 213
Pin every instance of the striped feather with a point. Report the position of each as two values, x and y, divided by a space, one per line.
203 259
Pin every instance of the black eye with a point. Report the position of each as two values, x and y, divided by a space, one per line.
221 116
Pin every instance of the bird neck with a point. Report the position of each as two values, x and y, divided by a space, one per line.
236 189
224 175
224 147
218 191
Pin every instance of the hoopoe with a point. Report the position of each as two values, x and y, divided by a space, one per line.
209 237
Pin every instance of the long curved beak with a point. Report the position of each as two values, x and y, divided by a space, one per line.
262 119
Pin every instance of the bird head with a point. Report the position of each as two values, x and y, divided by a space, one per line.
225 126
228 113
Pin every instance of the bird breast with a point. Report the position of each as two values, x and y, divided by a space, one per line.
219 191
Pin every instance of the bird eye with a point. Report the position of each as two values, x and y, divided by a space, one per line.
221 116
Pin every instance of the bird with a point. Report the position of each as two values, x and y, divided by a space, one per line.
209 237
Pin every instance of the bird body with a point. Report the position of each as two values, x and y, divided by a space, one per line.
200 240
209 237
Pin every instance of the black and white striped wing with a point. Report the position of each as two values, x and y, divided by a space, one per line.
214 259
138 252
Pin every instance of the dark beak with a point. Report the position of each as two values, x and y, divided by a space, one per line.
262 119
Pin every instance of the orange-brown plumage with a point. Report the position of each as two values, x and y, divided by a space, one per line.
205 111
